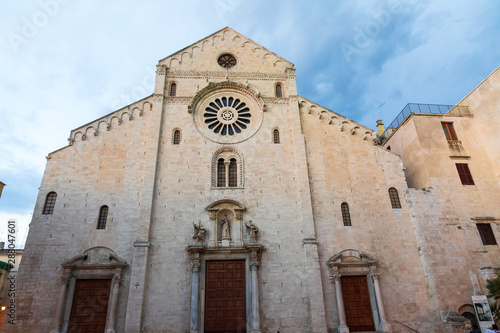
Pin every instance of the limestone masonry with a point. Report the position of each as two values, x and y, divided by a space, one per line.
226 202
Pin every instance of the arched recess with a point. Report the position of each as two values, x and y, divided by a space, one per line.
227 155
231 212
95 264
355 267
468 311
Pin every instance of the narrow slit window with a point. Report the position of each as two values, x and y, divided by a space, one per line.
233 173
103 217
449 132
50 203
176 137
279 92
464 174
173 89
346 216
276 136
221 173
486 233
394 196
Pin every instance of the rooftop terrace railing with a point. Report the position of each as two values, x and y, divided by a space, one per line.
455 110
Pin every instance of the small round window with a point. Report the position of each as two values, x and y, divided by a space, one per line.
227 61
227 116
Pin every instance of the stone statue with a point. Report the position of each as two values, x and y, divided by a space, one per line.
225 234
253 230
199 233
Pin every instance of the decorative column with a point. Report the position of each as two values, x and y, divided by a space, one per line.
254 267
384 325
340 303
114 301
195 293
226 165
61 300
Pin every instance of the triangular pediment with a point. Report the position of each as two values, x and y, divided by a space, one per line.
203 55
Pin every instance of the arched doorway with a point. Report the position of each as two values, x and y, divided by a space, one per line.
358 295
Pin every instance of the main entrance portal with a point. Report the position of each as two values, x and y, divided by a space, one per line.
358 310
225 298
90 306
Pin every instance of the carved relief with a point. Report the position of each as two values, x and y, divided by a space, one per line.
178 100
223 74
276 101
199 233
252 230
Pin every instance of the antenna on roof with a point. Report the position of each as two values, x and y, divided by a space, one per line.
380 110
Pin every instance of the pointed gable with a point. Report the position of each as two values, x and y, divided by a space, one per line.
203 55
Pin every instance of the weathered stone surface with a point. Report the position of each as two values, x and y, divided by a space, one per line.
292 191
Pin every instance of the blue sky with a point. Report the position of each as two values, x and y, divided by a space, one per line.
64 63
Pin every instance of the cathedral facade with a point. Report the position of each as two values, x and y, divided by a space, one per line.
226 202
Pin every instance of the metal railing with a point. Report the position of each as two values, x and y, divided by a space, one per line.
455 110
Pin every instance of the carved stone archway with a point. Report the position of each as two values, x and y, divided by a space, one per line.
94 263
350 263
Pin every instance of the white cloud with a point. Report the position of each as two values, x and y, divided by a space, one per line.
93 56
14 235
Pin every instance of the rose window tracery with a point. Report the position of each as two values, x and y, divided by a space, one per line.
227 116
226 61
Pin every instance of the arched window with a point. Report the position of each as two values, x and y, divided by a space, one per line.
393 195
233 173
221 173
173 89
50 202
346 216
176 137
227 168
276 136
103 217
279 92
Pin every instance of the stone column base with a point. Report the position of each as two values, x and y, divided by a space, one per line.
255 331
193 331
343 329
110 331
385 326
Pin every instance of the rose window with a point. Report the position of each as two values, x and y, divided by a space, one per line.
227 116
226 61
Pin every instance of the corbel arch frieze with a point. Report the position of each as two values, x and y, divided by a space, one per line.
106 123
103 125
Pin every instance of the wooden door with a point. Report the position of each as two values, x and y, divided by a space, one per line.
90 306
357 306
225 297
